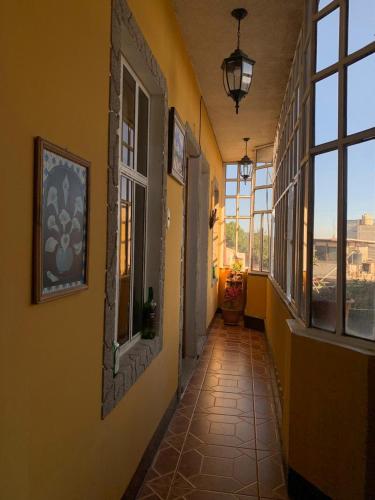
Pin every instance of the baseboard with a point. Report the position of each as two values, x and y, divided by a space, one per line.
149 454
301 489
254 323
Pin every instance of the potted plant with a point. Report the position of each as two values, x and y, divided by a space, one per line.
232 303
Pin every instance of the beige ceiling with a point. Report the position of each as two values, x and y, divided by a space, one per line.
269 36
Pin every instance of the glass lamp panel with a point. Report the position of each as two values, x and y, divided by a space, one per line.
233 74
327 36
230 207
231 188
231 171
244 207
360 95
326 109
361 28
360 243
247 72
324 282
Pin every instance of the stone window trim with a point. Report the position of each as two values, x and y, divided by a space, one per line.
137 358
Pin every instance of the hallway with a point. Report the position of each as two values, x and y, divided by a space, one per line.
222 443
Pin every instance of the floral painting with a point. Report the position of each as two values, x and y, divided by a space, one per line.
61 258
176 164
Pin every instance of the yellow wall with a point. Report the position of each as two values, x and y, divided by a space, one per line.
54 83
156 18
279 338
326 406
256 296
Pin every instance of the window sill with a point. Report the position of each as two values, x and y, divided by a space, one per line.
258 273
354 344
133 362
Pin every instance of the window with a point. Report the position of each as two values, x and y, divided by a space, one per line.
132 207
323 235
262 210
237 216
248 209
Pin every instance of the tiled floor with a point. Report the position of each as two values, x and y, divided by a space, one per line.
222 443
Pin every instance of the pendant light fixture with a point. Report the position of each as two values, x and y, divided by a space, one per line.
238 67
246 165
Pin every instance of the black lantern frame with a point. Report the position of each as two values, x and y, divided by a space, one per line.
246 165
238 67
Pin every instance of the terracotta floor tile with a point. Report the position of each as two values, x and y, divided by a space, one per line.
214 495
223 430
158 487
225 403
264 407
179 424
263 387
222 442
216 468
228 383
271 475
267 436
230 368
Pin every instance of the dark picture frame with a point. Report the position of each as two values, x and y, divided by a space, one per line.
176 146
61 222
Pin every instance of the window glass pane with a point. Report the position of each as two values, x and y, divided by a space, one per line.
262 177
360 247
231 171
325 242
326 109
361 102
230 207
290 242
361 30
323 3
327 40
142 145
266 225
243 241
256 242
244 207
230 188
139 250
245 188
125 260
263 199
128 118
230 241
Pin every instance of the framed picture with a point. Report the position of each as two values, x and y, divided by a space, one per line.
61 219
176 147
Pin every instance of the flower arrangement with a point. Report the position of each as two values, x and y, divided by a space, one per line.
232 296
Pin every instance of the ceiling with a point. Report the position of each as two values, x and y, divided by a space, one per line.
269 36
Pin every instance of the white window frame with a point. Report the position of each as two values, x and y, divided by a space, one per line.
136 178
294 169
260 165
236 218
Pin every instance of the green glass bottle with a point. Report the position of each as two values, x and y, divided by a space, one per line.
149 314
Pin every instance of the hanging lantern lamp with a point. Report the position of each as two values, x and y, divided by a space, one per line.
238 67
246 165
